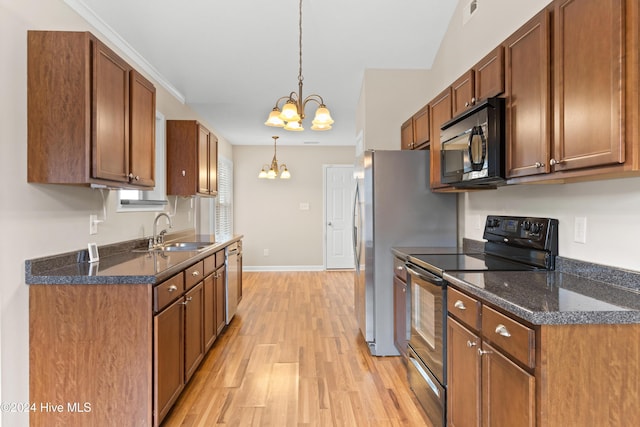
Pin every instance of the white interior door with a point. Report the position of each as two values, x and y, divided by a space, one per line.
339 184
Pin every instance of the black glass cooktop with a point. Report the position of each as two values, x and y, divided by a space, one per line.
437 263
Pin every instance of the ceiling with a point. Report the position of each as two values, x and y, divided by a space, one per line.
231 60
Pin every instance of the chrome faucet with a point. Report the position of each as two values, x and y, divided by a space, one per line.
158 239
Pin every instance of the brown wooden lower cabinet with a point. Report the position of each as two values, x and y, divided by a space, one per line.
169 357
193 330
124 351
540 376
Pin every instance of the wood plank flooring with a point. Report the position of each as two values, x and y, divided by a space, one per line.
293 356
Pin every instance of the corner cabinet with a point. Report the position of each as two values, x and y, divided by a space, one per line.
91 116
192 159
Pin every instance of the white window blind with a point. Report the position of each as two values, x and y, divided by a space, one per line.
224 200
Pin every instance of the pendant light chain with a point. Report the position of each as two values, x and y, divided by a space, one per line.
300 78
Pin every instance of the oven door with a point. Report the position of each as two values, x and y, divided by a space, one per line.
428 313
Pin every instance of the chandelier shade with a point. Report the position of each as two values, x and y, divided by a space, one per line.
292 114
271 171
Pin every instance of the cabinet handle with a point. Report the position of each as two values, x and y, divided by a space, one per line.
195 273
186 300
483 352
399 268
184 173
554 162
133 177
471 344
539 165
172 288
460 305
466 104
502 330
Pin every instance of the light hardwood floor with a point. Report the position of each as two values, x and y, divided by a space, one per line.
293 356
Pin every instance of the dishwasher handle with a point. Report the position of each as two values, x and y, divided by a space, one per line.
424 275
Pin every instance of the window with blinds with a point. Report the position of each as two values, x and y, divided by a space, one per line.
224 200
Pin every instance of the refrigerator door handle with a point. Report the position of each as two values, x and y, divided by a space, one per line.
355 242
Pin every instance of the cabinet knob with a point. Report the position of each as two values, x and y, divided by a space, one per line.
471 344
133 177
466 104
554 162
459 305
502 330
184 173
172 288
195 273
539 165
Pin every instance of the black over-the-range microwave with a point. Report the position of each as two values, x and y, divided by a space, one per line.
473 146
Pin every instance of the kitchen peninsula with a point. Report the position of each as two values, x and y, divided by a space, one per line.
114 342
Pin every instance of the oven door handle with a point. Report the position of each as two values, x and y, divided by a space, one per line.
424 275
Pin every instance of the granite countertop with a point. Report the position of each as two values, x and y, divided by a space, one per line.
119 264
551 298
576 292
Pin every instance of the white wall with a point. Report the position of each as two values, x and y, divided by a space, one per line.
267 212
39 220
611 207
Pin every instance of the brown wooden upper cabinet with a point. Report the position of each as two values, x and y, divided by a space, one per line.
192 159
528 94
415 132
484 80
440 112
571 121
91 117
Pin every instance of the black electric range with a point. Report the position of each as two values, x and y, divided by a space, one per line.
512 244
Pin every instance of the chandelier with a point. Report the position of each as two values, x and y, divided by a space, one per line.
272 171
292 112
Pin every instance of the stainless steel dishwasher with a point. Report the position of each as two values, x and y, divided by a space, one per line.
233 276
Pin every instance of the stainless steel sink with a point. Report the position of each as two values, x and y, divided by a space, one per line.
177 247
185 246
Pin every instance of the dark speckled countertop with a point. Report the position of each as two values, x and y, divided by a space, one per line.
551 298
576 292
118 264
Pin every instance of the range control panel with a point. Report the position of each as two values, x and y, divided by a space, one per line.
529 232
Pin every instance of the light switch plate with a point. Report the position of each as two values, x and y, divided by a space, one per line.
580 229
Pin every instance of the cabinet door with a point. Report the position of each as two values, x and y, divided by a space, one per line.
142 169
406 135
203 160
463 93
221 314
193 330
400 315
589 98
209 311
527 65
421 128
110 133
168 343
489 75
508 392
463 376
440 112
213 164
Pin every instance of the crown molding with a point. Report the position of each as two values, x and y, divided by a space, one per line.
93 19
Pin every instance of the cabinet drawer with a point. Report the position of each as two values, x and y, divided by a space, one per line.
167 292
193 275
209 264
464 308
399 270
510 335
220 258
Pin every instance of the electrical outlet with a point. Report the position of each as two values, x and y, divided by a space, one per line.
265 252
580 229
93 224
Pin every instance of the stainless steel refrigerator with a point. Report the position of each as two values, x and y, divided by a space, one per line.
393 206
